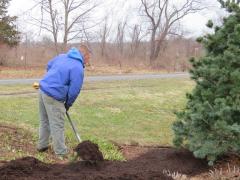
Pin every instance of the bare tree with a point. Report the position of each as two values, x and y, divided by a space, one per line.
66 18
53 26
121 35
136 35
104 34
163 16
135 39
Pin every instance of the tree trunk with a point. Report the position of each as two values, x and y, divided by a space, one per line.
157 50
160 43
103 47
153 47
54 32
65 39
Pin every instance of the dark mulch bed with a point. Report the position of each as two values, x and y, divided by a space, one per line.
143 163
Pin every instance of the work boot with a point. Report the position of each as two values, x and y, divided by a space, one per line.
42 149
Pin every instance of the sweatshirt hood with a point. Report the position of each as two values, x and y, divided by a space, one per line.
74 53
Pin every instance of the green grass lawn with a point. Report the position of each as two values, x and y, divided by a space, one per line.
126 112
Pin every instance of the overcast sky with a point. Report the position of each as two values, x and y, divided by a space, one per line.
194 24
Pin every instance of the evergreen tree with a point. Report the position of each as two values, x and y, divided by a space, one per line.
209 126
8 33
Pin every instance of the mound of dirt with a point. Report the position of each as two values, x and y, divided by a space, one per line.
89 151
21 167
149 164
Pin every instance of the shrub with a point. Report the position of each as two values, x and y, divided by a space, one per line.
209 126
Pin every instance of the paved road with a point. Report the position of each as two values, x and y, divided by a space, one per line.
105 78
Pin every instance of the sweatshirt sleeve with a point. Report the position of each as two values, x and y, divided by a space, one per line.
75 86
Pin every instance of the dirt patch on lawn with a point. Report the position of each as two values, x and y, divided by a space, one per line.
142 162
150 164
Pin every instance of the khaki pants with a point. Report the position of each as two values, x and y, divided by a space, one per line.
52 113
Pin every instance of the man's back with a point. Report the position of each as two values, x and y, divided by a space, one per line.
64 75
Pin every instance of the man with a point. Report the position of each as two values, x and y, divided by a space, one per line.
59 88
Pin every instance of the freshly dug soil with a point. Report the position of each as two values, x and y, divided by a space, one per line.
89 151
21 167
141 164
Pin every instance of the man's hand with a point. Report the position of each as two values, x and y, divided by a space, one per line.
66 107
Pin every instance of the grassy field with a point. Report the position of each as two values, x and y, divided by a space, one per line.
38 72
126 112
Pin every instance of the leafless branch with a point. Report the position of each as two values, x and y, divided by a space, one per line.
65 17
163 15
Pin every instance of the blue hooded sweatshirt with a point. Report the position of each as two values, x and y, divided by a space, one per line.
64 77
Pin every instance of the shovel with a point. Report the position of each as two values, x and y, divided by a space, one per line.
74 128
86 150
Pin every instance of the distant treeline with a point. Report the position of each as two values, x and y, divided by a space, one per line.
174 54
